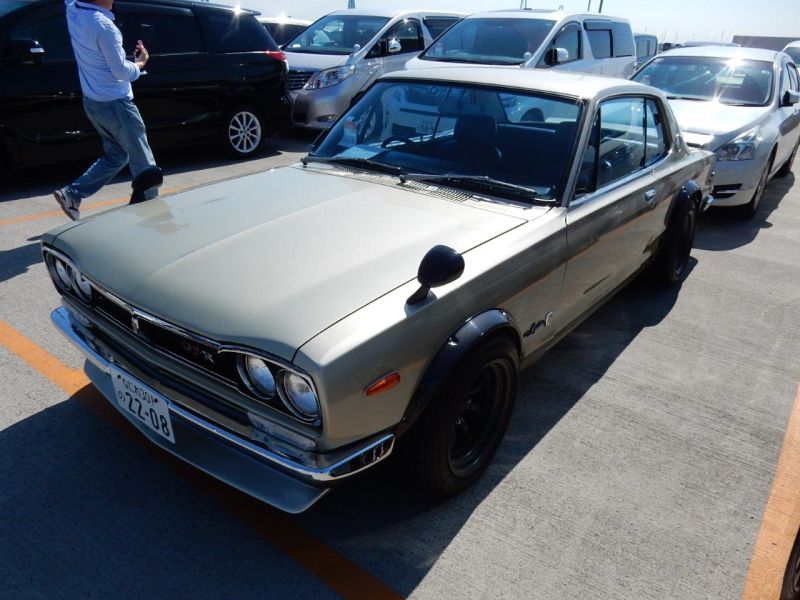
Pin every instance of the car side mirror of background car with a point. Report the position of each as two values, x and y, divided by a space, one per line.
556 56
393 46
440 265
790 98
150 178
24 52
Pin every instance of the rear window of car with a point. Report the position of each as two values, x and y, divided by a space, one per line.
437 25
240 32
161 33
622 39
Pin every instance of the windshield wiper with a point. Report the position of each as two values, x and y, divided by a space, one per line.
363 163
481 181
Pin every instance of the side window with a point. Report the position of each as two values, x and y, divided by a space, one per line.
788 79
569 38
409 34
51 33
794 77
599 40
656 146
437 25
161 34
623 39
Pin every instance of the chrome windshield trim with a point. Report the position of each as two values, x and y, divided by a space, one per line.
375 451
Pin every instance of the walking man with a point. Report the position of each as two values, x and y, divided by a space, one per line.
105 77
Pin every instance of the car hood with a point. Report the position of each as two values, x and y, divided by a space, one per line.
314 62
710 124
271 259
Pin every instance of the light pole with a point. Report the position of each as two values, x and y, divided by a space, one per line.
589 8
601 7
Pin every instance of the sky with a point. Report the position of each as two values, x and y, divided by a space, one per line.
670 20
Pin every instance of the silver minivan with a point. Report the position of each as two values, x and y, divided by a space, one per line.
586 42
343 52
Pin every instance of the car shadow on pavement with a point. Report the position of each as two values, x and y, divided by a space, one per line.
411 530
40 181
16 261
722 229
88 513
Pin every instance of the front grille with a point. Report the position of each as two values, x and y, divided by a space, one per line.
297 79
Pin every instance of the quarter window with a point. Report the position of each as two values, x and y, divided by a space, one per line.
794 77
656 147
238 32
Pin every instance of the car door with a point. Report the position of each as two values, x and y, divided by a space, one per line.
614 214
42 100
178 95
789 116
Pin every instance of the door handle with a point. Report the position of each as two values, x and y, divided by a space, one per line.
649 197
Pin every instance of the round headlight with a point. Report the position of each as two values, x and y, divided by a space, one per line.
82 286
300 396
63 273
260 377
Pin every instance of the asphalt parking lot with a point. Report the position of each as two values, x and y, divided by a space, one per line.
653 453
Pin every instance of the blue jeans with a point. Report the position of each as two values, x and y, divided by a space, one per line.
124 141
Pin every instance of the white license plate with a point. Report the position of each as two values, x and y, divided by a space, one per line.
143 403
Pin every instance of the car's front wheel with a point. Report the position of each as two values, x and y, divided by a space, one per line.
242 132
786 167
454 441
749 210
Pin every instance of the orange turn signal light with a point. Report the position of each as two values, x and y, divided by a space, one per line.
383 384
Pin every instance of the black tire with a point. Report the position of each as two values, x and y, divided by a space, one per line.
749 210
455 439
786 167
790 590
671 264
242 132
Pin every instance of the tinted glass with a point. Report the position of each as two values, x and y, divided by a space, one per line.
794 53
409 34
794 77
729 81
161 34
238 32
8 6
520 138
569 39
490 41
437 25
642 48
283 32
337 34
51 33
623 39
600 42
656 147
621 149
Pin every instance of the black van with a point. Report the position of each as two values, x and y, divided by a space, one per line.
213 71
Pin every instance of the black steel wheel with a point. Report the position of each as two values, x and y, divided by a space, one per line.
456 438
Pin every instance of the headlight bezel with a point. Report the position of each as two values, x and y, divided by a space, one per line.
743 147
324 79
280 371
67 277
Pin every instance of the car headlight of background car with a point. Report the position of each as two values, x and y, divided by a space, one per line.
742 147
266 379
330 77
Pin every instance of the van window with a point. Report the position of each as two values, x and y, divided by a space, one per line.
409 33
51 33
569 38
161 33
437 25
238 32
599 38
622 39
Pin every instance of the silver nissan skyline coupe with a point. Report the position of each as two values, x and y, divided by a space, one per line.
286 330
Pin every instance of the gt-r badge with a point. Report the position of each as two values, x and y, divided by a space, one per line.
539 324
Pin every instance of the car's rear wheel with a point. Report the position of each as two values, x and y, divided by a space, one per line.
749 210
786 167
454 441
672 262
791 577
242 132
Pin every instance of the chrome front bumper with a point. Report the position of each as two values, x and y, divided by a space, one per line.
275 479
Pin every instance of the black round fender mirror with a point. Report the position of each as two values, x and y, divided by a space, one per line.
150 178
440 265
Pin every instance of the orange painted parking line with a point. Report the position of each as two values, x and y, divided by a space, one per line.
84 207
780 521
342 575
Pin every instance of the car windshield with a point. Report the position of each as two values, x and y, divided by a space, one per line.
337 34
484 139
794 53
725 80
491 41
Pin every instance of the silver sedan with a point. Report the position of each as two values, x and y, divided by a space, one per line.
741 103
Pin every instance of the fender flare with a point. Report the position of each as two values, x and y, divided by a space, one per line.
469 336
690 192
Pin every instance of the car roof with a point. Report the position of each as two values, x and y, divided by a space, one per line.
577 85
391 13
541 13
724 52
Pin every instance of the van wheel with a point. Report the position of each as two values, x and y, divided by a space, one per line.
242 132
672 261
455 439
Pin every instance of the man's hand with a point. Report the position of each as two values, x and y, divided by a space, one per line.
140 55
